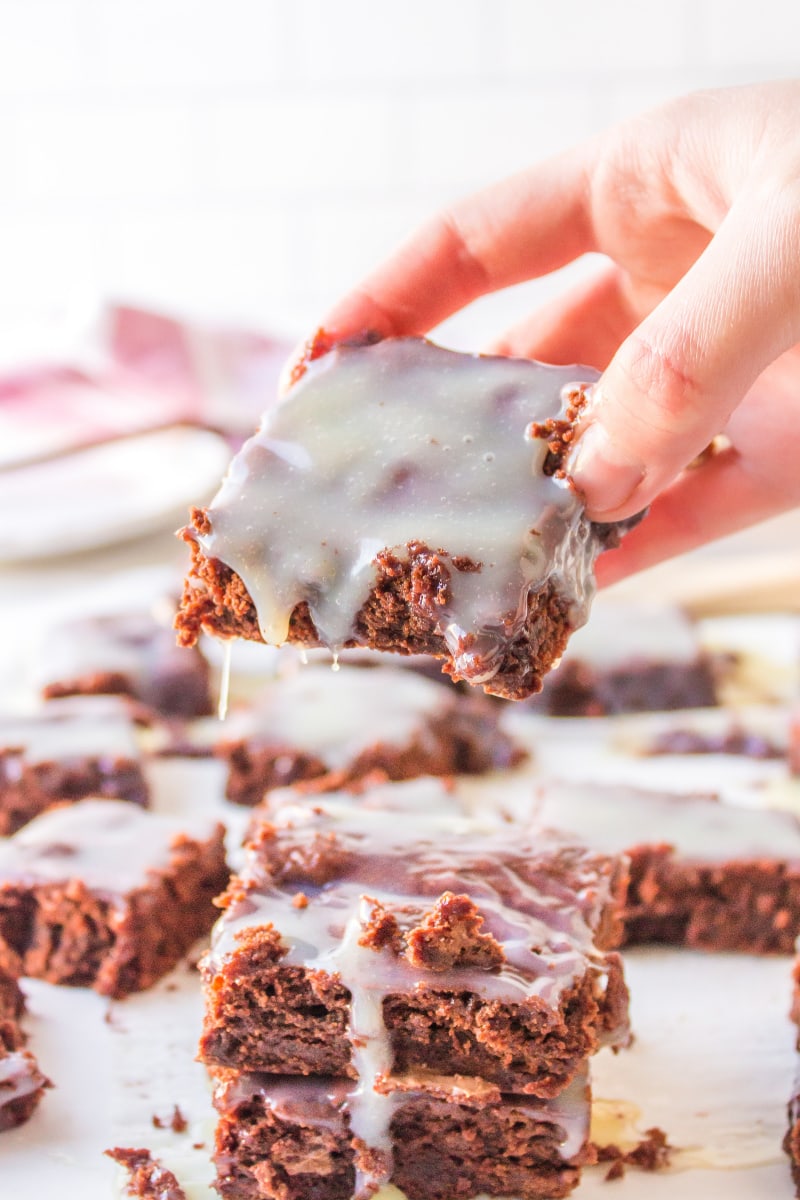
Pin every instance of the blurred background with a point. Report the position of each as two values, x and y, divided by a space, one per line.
239 163
249 159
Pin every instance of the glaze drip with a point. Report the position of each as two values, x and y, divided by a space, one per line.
398 850
404 442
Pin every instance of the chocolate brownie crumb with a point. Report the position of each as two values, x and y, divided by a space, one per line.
147 1178
177 1122
652 1153
381 929
449 935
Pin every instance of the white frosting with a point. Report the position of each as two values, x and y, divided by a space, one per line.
18 1076
614 818
85 727
337 716
108 844
408 844
404 441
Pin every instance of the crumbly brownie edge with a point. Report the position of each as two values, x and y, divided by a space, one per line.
398 616
147 1178
65 933
39 786
441 1148
22 1084
751 907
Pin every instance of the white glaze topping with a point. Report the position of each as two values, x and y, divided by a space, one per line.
404 850
699 828
402 442
84 727
108 844
336 717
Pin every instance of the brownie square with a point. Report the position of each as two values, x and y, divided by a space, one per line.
395 924
703 873
127 654
339 729
102 894
409 499
298 1139
630 658
70 749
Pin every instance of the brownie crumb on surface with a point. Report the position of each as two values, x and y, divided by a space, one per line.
177 1122
147 1178
652 1153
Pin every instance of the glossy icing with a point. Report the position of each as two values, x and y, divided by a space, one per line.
376 447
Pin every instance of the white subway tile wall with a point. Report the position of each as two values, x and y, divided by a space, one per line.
250 159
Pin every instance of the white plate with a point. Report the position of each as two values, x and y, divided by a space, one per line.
109 493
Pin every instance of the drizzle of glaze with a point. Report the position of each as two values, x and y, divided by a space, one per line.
377 447
326 1103
110 845
402 846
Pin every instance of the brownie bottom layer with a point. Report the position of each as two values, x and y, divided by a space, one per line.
280 1139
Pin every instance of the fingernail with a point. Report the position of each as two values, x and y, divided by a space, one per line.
601 470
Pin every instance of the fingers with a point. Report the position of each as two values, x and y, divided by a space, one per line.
586 325
674 382
731 490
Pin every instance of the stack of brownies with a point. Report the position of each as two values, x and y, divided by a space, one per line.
400 990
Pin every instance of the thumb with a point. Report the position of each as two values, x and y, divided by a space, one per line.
673 384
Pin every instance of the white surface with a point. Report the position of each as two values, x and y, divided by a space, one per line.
712 1065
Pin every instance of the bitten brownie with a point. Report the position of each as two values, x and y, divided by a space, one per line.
127 654
409 499
101 894
338 731
22 1084
72 749
703 873
291 1139
393 932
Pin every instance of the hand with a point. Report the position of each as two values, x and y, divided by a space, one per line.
694 319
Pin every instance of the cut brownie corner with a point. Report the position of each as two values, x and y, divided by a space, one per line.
102 894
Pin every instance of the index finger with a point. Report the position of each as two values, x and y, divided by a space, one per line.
525 226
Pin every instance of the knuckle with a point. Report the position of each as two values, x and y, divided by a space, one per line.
669 389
